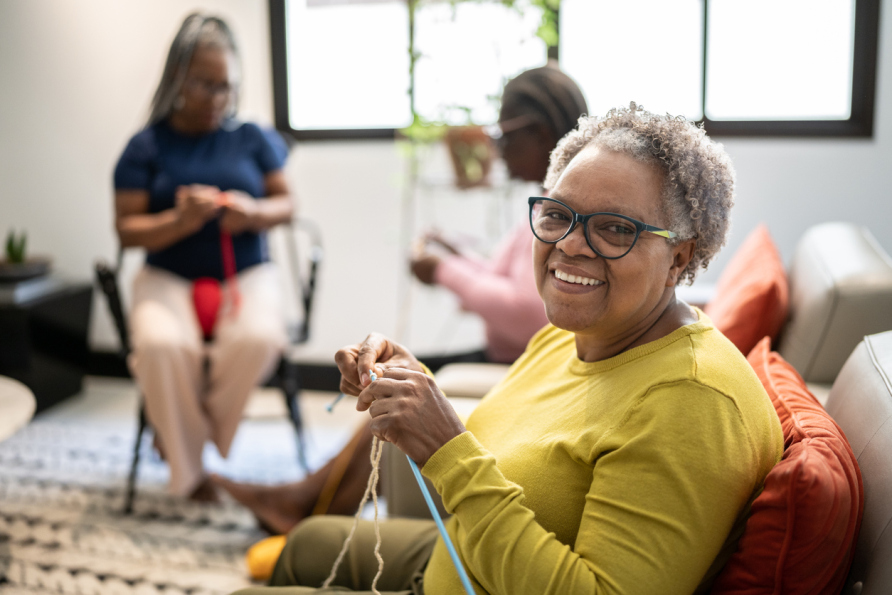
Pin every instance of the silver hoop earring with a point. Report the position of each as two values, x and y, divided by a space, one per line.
179 102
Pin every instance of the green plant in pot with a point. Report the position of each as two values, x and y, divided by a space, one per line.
17 266
470 148
15 247
472 153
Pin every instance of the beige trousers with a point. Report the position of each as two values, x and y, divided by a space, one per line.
186 406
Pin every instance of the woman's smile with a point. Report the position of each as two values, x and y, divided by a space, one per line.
569 279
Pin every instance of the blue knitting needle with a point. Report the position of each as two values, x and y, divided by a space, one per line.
330 407
462 574
465 581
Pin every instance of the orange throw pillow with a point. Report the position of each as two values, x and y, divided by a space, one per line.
752 295
800 537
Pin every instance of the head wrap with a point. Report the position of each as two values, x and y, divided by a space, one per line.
549 94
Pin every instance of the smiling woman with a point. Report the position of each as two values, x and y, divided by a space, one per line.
625 168
622 451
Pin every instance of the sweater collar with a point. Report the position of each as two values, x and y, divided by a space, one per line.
581 368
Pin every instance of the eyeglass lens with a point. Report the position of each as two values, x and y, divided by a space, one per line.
608 235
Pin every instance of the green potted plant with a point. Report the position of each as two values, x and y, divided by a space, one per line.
16 265
470 148
472 154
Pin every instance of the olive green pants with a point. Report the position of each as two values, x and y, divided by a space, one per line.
313 546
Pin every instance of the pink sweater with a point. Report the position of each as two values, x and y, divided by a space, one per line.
502 291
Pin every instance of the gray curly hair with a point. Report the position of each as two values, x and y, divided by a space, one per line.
698 192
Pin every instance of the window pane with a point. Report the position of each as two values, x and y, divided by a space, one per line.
649 51
468 51
780 59
348 65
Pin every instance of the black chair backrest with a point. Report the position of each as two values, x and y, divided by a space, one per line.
107 278
306 283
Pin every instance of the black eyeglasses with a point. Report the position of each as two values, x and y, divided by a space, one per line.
610 235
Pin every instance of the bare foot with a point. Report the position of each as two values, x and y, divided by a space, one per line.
277 508
205 492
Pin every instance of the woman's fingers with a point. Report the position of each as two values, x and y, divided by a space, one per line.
375 348
382 389
378 354
424 267
348 388
394 382
345 359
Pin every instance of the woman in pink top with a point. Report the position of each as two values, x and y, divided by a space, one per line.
501 290
539 107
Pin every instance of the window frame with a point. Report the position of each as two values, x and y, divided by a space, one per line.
279 47
859 124
861 118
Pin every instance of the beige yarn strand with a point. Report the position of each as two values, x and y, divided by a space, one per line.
370 488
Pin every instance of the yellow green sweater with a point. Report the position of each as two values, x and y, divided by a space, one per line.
629 475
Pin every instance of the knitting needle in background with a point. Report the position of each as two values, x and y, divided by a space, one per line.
456 561
330 407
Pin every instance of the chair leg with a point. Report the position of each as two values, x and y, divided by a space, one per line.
290 385
134 465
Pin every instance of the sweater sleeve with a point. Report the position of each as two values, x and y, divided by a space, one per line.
667 487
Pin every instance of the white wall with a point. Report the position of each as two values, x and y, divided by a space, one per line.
75 82
76 78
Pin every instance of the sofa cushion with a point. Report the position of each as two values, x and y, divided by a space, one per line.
840 291
801 532
751 295
470 380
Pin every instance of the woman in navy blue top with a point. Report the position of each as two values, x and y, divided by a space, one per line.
198 189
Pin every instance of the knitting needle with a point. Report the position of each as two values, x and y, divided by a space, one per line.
330 407
465 581
456 561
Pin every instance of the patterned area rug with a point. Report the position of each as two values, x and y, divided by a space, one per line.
61 524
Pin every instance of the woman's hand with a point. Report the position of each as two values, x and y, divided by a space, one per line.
239 212
377 353
424 266
195 205
409 411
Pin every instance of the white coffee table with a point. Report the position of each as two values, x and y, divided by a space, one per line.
16 406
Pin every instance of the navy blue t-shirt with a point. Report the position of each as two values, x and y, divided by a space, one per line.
237 156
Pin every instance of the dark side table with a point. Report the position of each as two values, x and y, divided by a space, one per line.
44 324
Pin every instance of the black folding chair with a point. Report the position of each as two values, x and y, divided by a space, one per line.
286 376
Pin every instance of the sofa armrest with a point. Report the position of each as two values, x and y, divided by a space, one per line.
861 403
840 291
